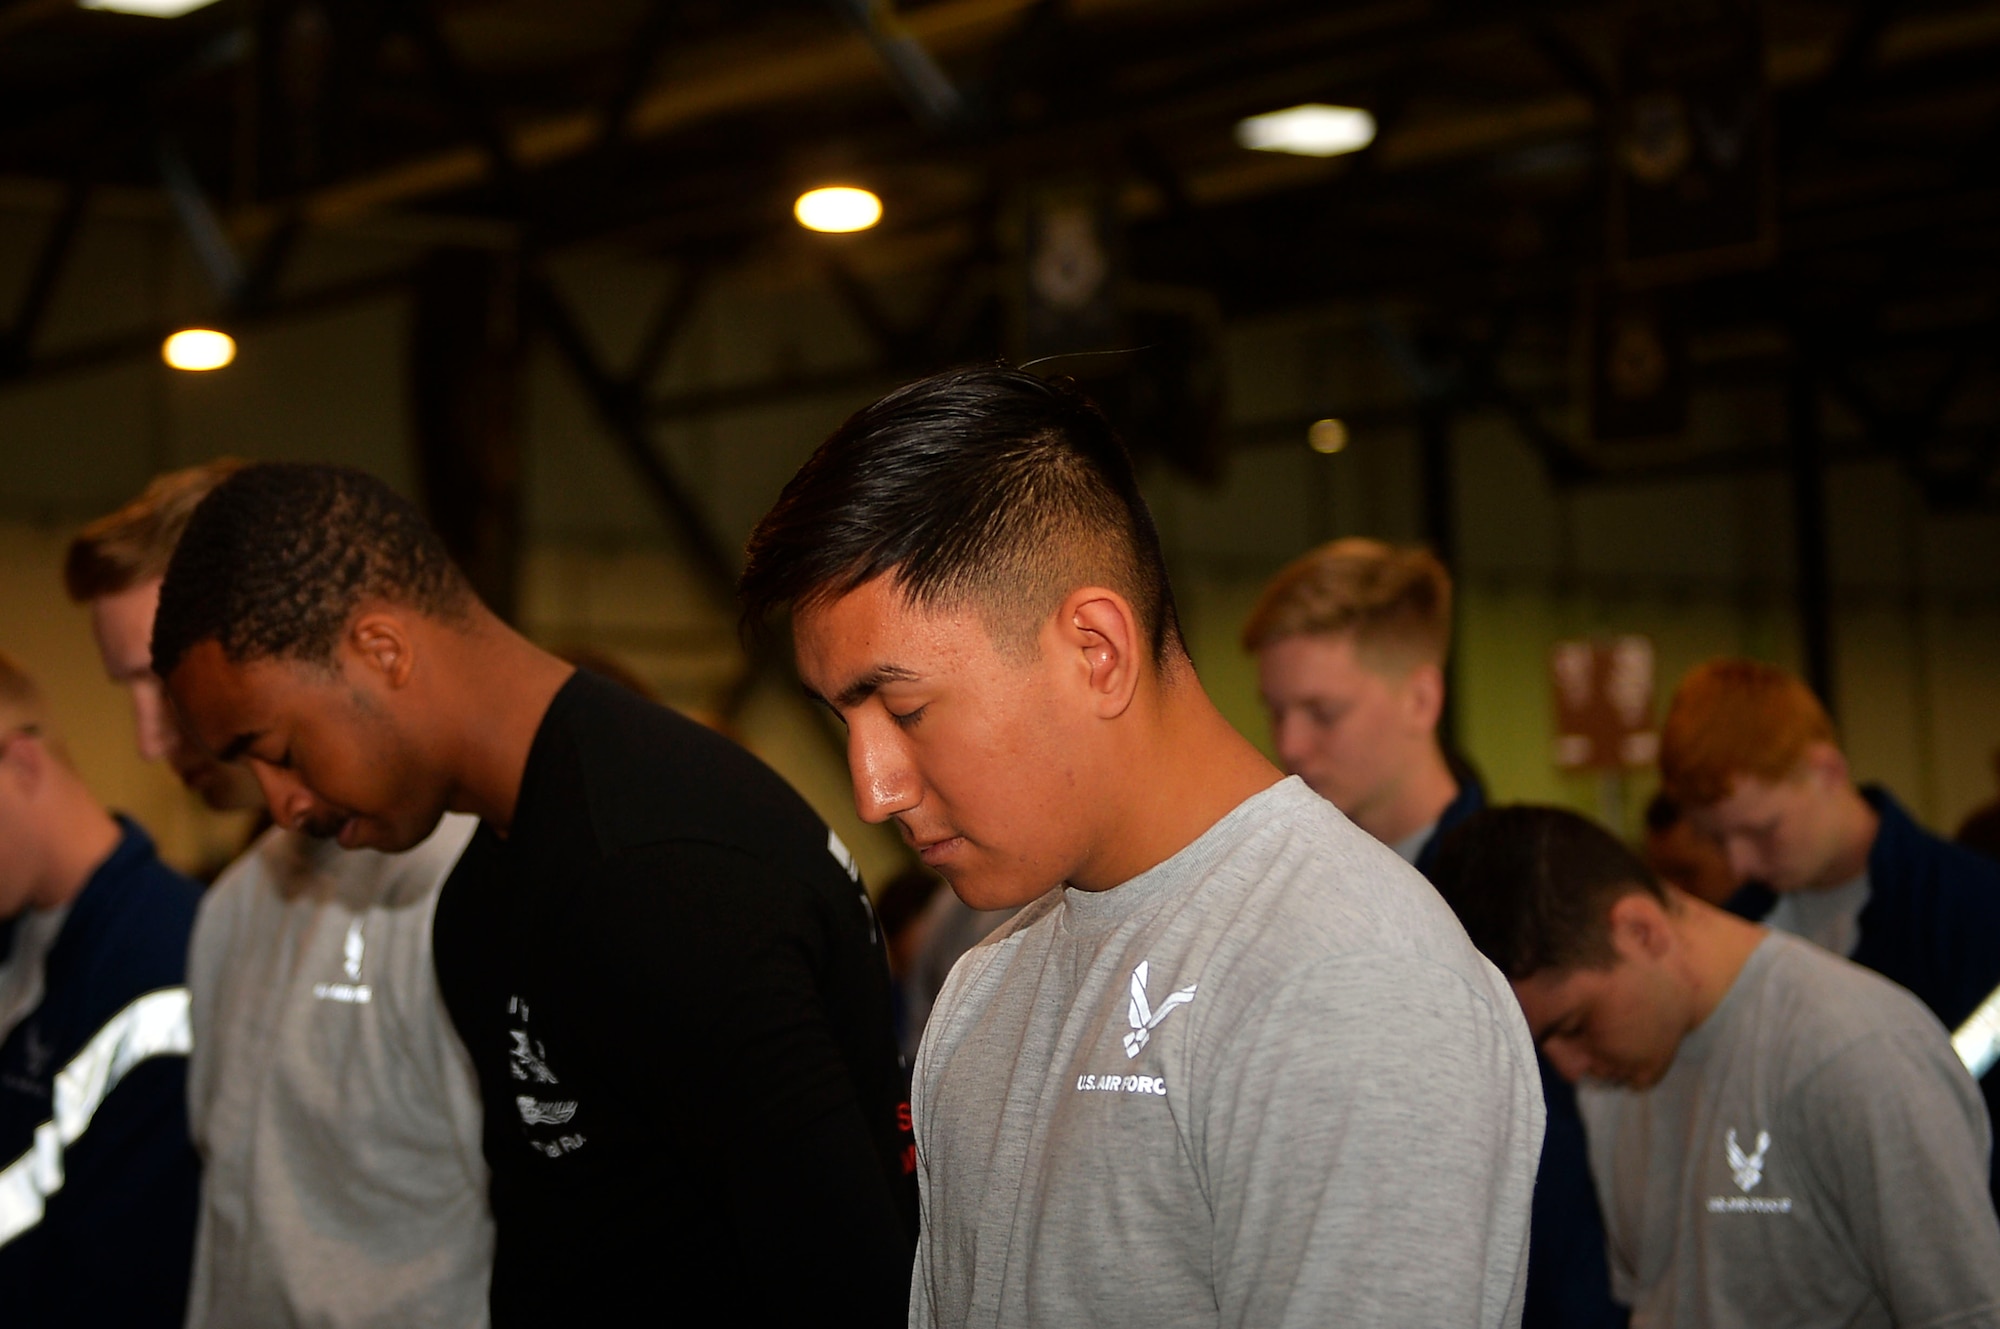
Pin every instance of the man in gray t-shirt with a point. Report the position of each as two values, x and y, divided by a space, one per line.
1779 1136
1242 1068
1267 1082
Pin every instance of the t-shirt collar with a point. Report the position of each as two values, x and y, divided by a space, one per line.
1091 911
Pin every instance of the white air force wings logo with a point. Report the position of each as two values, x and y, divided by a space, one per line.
1144 1018
1748 1168
351 952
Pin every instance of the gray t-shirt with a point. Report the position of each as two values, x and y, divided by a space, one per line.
1816 1155
334 1107
1268 1082
1829 918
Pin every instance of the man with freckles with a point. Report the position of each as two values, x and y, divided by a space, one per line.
1234 1063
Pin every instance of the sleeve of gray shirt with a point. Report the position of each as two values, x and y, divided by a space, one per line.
1899 1141
1360 1166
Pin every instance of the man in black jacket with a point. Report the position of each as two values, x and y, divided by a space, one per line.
97 1176
661 961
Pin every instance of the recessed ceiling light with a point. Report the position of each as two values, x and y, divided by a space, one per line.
1309 131
837 208
150 8
1328 436
199 348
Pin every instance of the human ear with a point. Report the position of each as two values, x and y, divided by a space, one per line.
1098 628
382 642
1828 765
1423 690
25 761
1639 926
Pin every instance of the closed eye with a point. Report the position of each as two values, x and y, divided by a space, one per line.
908 719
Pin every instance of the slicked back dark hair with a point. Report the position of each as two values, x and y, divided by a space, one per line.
985 487
1534 887
277 559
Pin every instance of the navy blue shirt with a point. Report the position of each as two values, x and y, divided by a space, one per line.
97 1216
1932 922
1569 1274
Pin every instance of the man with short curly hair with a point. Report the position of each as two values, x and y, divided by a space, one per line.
662 962
317 1161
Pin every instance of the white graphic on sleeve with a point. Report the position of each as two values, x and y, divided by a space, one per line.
845 857
526 1059
354 992
1144 1018
539 1112
1748 1168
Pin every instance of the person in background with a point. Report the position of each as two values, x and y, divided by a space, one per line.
97 1178
1783 1140
662 962
1234 1063
902 910
1751 754
1351 641
334 1107
1980 831
948 928
1684 857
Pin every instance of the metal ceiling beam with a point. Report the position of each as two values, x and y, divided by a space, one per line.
18 344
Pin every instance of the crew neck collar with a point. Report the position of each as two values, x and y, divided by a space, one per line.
1091 911
1695 1047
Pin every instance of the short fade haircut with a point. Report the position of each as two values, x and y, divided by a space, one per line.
131 546
1394 602
277 560
1534 888
986 487
1732 718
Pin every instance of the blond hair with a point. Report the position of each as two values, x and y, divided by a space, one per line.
1394 602
131 546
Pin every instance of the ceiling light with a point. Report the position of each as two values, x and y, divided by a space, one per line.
1309 131
837 208
199 348
150 8
1328 436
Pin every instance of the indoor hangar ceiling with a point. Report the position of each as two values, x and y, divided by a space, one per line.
1712 192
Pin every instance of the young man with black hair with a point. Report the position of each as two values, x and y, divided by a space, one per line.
342 1183
1780 1137
97 1178
1242 1068
667 975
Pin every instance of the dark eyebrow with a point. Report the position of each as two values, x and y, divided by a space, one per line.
861 689
236 747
